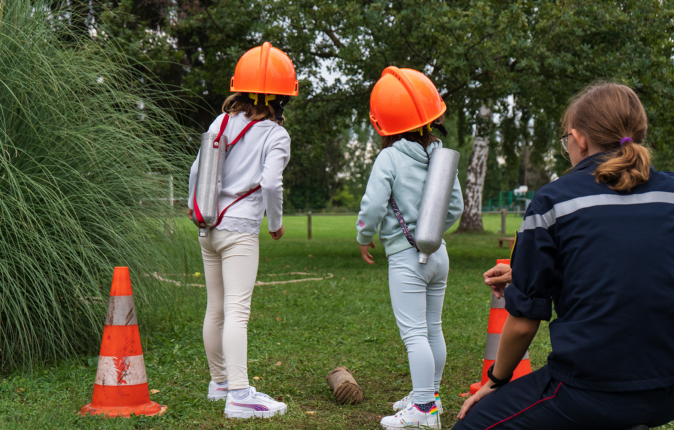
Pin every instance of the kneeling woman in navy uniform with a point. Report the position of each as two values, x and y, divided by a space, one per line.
599 244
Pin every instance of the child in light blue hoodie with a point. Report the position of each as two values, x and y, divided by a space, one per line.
395 185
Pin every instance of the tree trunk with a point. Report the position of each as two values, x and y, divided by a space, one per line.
471 220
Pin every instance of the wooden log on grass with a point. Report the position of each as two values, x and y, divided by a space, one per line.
344 386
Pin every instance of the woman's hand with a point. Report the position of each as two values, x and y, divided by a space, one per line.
498 277
189 214
276 235
366 255
470 401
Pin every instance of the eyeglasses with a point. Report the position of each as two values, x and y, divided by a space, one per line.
565 141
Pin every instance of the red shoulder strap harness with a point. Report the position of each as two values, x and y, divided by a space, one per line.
216 144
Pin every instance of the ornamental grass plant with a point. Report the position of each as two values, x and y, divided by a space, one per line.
85 145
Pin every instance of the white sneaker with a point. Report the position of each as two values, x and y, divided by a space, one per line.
255 405
406 402
216 392
412 417
403 403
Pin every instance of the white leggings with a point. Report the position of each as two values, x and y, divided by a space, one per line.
230 269
417 295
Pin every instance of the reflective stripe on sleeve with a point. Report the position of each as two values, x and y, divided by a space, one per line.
570 206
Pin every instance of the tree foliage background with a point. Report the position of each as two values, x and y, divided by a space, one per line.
524 59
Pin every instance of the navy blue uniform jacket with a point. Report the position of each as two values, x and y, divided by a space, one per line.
605 259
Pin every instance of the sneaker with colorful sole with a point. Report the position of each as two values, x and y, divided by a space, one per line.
406 402
413 417
255 405
216 392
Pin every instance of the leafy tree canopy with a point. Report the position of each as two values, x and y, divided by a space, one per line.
524 59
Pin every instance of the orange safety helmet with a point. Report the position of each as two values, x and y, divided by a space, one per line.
404 100
264 70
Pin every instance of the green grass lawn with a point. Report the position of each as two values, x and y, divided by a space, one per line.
309 328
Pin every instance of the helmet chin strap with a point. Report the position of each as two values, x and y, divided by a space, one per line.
279 105
441 128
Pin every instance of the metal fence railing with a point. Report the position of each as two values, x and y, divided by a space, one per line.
182 201
324 211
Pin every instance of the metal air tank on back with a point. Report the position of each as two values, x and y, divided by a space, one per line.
435 200
212 155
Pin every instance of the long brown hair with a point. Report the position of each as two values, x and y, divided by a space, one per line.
606 113
425 138
256 112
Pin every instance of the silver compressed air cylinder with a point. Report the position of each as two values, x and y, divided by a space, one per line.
435 199
208 183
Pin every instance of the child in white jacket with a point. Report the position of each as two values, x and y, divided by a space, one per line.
252 183
390 207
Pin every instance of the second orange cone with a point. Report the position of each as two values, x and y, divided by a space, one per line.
121 386
497 318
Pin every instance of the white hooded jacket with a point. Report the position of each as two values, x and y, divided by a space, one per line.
257 159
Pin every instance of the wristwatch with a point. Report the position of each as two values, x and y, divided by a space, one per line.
497 382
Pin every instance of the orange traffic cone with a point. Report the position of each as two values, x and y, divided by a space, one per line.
497 318
121 386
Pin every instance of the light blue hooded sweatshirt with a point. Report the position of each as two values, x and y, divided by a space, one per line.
399 170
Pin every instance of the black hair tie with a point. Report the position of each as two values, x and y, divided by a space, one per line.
243 98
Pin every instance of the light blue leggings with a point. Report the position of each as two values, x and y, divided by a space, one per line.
417 295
